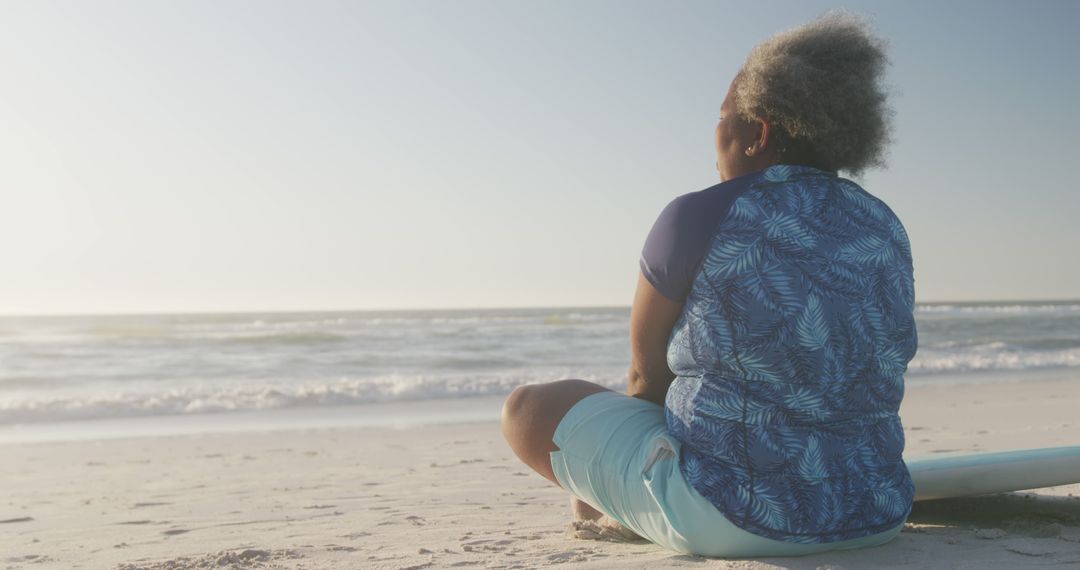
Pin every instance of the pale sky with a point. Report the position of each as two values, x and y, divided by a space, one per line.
239 156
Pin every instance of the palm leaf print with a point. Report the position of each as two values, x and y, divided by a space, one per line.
680 358
757 412
843 278
867 453
788 227
900 237
734 305
742 210
829 225
830 511
904 282
711 337
724 406
812 329
778 173
691 466
803 499
798 330
767 334
733 258
803 363
724 439
800 398
811 462
785 442
757 369
891 361
771 286
863 203
858 501
882 293
678 403
884 438
866 323
890 501
869 250
803 202
840 221
765 507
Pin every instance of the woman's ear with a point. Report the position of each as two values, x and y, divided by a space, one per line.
760 143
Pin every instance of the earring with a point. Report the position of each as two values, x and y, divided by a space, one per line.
749 150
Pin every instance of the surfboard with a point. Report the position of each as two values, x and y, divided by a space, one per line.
984 473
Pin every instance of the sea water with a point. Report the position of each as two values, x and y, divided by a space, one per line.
338 368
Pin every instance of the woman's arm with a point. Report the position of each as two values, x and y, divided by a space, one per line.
651 319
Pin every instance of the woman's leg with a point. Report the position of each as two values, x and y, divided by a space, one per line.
529 419
531 414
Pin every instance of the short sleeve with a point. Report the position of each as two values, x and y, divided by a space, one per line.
663 260
681 235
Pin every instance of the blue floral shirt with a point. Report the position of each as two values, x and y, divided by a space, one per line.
790 351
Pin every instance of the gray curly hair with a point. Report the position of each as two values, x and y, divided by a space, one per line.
820 87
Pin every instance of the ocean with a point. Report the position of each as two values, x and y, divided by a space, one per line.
220 369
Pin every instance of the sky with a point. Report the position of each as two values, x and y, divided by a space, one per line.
205 156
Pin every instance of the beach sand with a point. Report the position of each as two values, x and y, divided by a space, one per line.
454 496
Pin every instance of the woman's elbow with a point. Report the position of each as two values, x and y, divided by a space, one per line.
641 384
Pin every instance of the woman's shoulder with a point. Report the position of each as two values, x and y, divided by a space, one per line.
798 188
709 198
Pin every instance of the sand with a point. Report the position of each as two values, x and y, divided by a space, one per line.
454 496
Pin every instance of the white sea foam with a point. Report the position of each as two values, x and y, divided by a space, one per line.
1017 309
218 397
991 357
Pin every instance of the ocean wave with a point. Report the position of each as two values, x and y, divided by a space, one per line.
1031 344
1041 309
263 324
208 398
126 331
990 357
290 337
288 328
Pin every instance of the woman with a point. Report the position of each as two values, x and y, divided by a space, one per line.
770 330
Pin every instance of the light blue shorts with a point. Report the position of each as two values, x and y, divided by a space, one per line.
615 454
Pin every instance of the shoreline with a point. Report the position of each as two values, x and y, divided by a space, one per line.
403 414
454 495
398 415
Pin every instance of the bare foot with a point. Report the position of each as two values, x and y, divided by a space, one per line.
583 511
591 524
604 528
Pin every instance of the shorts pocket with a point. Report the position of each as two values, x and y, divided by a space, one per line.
663 448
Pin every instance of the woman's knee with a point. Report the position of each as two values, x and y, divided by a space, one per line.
531 413
521 412
539 402
517 401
